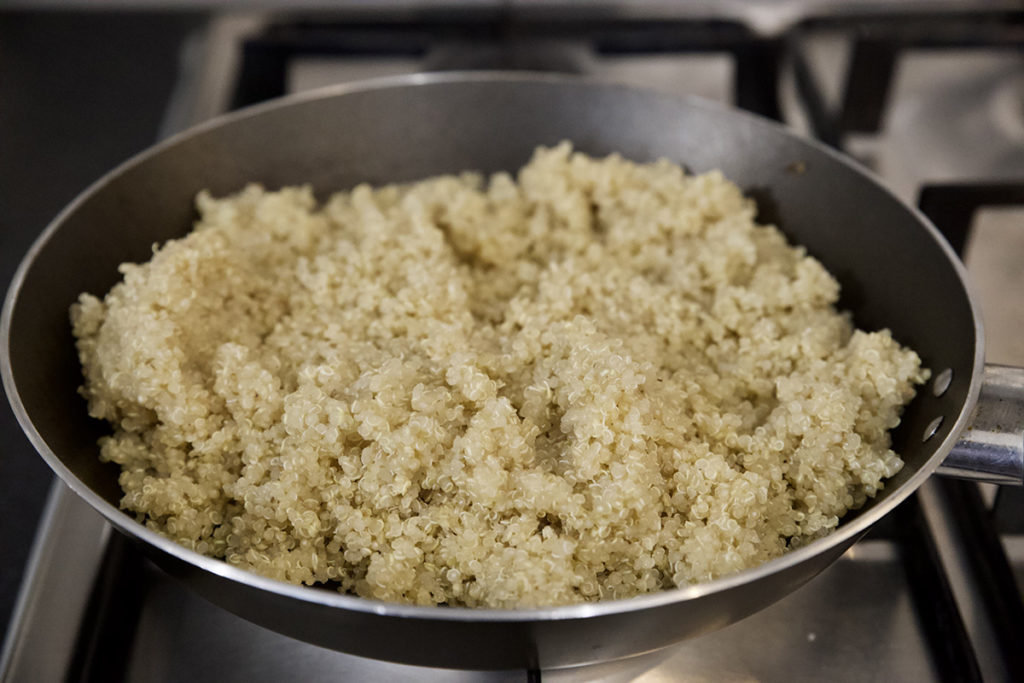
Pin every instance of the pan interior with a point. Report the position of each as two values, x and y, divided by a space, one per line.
893 271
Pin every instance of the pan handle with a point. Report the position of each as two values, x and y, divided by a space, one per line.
991 449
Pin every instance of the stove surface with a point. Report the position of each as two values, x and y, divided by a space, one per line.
149 628
93 609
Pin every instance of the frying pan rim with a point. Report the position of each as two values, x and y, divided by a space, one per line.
326 598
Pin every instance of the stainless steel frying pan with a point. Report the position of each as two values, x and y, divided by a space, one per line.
895 271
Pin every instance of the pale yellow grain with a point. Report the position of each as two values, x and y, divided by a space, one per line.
599 379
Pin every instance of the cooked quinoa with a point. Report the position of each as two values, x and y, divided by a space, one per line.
594 380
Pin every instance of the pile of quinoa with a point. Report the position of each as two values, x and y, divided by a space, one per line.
594 380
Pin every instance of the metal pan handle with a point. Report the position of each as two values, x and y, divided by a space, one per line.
992 448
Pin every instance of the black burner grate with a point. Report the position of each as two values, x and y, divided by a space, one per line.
266 56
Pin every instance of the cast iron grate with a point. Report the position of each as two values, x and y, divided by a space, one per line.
266 55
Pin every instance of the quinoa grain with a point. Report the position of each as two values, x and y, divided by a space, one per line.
596 380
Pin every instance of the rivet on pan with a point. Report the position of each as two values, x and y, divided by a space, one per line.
797 167
942 382
932 427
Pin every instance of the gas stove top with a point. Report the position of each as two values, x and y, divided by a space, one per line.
928 95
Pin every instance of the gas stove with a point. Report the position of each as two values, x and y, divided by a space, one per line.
929 95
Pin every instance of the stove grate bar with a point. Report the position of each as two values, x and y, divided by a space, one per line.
934 602
266 55
951 206
877 47
994 575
